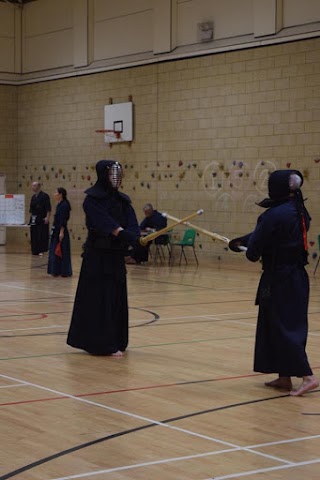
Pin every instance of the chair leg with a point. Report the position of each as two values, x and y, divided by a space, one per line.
316 266
159 253
169 253
156 253
183 253
172 257
194 251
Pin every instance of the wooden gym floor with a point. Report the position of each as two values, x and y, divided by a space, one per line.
183 404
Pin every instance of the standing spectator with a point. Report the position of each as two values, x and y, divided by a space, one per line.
280 240
40 209
99 321
59 263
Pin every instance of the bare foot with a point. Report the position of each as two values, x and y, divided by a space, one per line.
309 383
282 382
130 261
117 354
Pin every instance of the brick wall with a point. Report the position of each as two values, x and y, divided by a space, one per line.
207 133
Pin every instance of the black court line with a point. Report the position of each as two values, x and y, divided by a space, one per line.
44 460
143 324
163 282
218 302
14 315
76 448
155 318
146 323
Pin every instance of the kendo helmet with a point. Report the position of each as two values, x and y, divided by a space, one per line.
284 182
109 174
281 185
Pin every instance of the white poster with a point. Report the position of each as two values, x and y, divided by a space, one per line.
12 209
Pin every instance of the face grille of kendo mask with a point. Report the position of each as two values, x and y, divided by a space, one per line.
115 175
295 182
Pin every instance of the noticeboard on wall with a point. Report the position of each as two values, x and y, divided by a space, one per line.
12 209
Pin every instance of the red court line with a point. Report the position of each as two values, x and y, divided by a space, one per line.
107 392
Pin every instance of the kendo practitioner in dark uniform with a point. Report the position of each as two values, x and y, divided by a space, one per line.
280 240
60 264
99 321
153 221
40 209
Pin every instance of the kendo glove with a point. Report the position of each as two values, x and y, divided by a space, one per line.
239 244
128 237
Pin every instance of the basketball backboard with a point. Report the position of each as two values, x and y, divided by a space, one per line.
118 117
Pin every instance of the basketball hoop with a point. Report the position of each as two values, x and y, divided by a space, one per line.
110 136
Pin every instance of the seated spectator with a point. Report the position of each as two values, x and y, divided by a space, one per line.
153 221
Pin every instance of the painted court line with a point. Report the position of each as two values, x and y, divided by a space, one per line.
13 386
34 328
145 419
163 320
284 442
149 387
123 390
288 464
214 316
44 292
137 320
264 470
121 412
145 464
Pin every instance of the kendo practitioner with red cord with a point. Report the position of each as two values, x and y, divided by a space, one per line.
99 323
280 240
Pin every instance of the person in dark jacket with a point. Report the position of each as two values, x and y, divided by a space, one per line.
99 323
153 221
59 263
40 209
280 240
